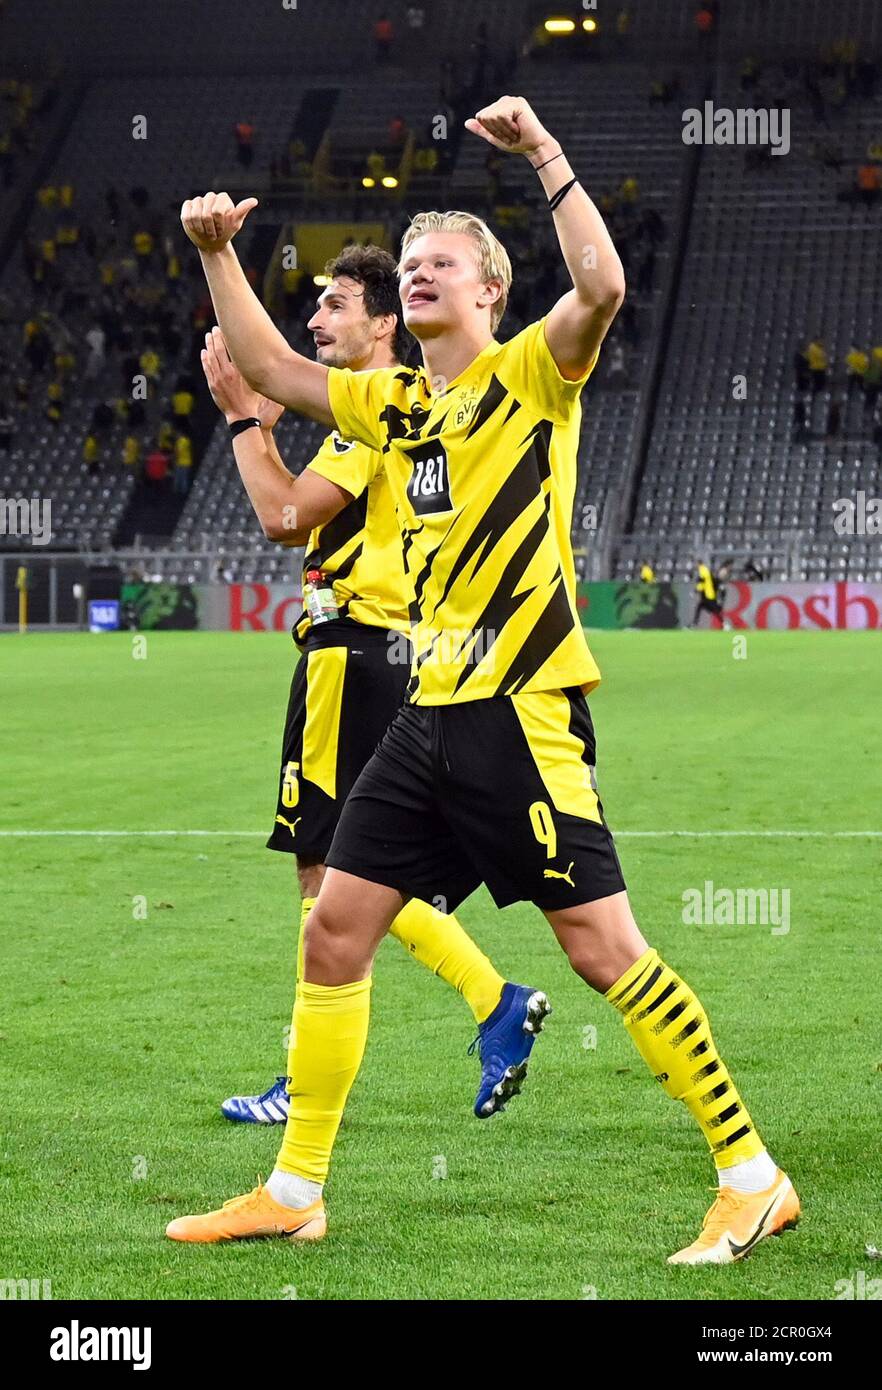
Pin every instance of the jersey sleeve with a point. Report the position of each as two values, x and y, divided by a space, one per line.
347 463
526 367
357 400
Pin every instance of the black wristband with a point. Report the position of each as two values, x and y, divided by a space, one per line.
239 425
537 167
561 193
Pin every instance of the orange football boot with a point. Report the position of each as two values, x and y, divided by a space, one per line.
738 1221
254 1214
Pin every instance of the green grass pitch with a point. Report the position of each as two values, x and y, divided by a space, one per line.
119 1034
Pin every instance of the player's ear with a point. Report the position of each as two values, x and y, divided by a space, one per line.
490 293
385 326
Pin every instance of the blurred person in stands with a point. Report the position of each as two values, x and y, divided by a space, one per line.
156 467
36 345
131 451
150 364
384 34
629 189
647 573
869 183
183 464
54 401
818 363
142 245
172 264
617 376
704 21
857 363
95 341
244 133
90 454
183 402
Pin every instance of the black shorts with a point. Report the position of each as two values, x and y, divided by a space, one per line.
500 791
346 690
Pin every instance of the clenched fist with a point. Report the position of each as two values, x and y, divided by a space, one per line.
511 124
212 220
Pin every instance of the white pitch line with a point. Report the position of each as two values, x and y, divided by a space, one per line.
619 834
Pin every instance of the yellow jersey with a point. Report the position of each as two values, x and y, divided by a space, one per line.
483 476
817 357
360 549
706 586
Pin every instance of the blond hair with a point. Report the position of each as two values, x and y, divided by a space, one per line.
492 257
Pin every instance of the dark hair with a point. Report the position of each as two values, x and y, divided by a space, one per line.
377 271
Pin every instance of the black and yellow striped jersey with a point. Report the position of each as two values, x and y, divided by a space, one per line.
360 549
483 475
706 585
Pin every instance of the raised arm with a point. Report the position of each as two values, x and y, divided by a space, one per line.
287 507
579 321
260 351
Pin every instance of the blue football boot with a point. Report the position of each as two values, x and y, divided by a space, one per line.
269 1109
504 1042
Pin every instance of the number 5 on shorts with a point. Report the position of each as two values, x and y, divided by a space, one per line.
290 785
543 827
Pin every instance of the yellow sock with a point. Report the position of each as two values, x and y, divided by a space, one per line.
670 1031
328 1036
441 943
306 906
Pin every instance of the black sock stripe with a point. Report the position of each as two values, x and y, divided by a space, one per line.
698 1050
643 990
670 1016
656 1003
687 1031
716 1120
733 1138
707 1070
616 999
717 1091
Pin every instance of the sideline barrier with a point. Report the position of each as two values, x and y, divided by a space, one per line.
608 605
